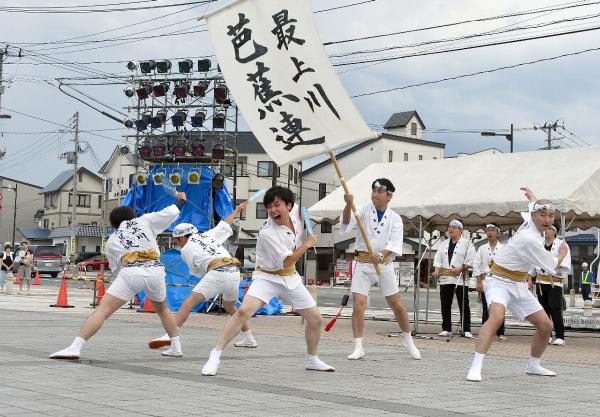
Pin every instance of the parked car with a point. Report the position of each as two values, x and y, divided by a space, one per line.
92 264
47 259
84 256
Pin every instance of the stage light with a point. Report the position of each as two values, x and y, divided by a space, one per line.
186 66
144 91
157 178
220 92
129 91
141 179
198 118
160 89
217 181
203 65
128 123
163 67
158 120
175 179
181 90
145 150
218 151
197 148
147 66
200 89
179 148
193 177
159 149
219 121
178 119
142 124
133 65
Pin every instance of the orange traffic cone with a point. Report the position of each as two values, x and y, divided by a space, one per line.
61 300
17 279
147 306
100 291
37 280
136 301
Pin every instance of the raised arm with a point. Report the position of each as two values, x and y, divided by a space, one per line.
529 194
240 208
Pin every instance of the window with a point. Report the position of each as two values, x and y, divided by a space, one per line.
83 200
295 176
46 223
98 249
227 170
322 190
131 180
118 181
81 177
325 227
242 166
265 169
420 157
434 157
109 185
405 156
94 223
242 215
83 248
390 156
261 211
47 200
99 201
413 129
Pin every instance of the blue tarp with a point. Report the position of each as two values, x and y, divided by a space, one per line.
151 197
177 272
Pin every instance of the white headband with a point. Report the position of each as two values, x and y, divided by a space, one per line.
547 206
456 223
184 229
487 226
383 187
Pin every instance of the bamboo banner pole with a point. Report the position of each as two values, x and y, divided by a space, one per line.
361 228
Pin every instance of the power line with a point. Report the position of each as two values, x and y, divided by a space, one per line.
462 22
472 74
49 10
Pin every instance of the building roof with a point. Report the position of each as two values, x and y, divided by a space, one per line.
81 230
38 214
401 119
247 143
35 233
116 152
19 182
327 160
582 239
62 178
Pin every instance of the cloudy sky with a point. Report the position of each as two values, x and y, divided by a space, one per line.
564 90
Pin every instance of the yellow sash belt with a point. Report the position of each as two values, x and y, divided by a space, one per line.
140 256
502 272
290 270
219 262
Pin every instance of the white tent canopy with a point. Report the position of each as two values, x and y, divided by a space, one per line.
482 188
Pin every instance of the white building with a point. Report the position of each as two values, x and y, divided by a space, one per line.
118 174
28 202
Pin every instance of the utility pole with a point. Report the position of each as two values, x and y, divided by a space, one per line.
548 128
2 116
74 197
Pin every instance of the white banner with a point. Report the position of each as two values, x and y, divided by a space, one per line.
280 77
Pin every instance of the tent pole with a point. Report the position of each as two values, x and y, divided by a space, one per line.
428 278
361 228
417 281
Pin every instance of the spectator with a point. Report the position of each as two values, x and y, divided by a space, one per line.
5 268
587 278
25 258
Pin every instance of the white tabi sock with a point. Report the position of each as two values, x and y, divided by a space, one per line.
78 344
313 363
410 346
475 369
358 343
175 343
534 361
211 366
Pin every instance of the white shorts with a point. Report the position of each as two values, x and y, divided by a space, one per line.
264 290
364 277
219 282
132 280
515 297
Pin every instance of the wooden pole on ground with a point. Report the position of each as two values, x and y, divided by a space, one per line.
361 228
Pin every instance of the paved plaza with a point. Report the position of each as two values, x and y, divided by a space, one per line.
119 376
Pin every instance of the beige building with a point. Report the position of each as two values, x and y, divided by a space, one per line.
118 174
28 202
57 197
